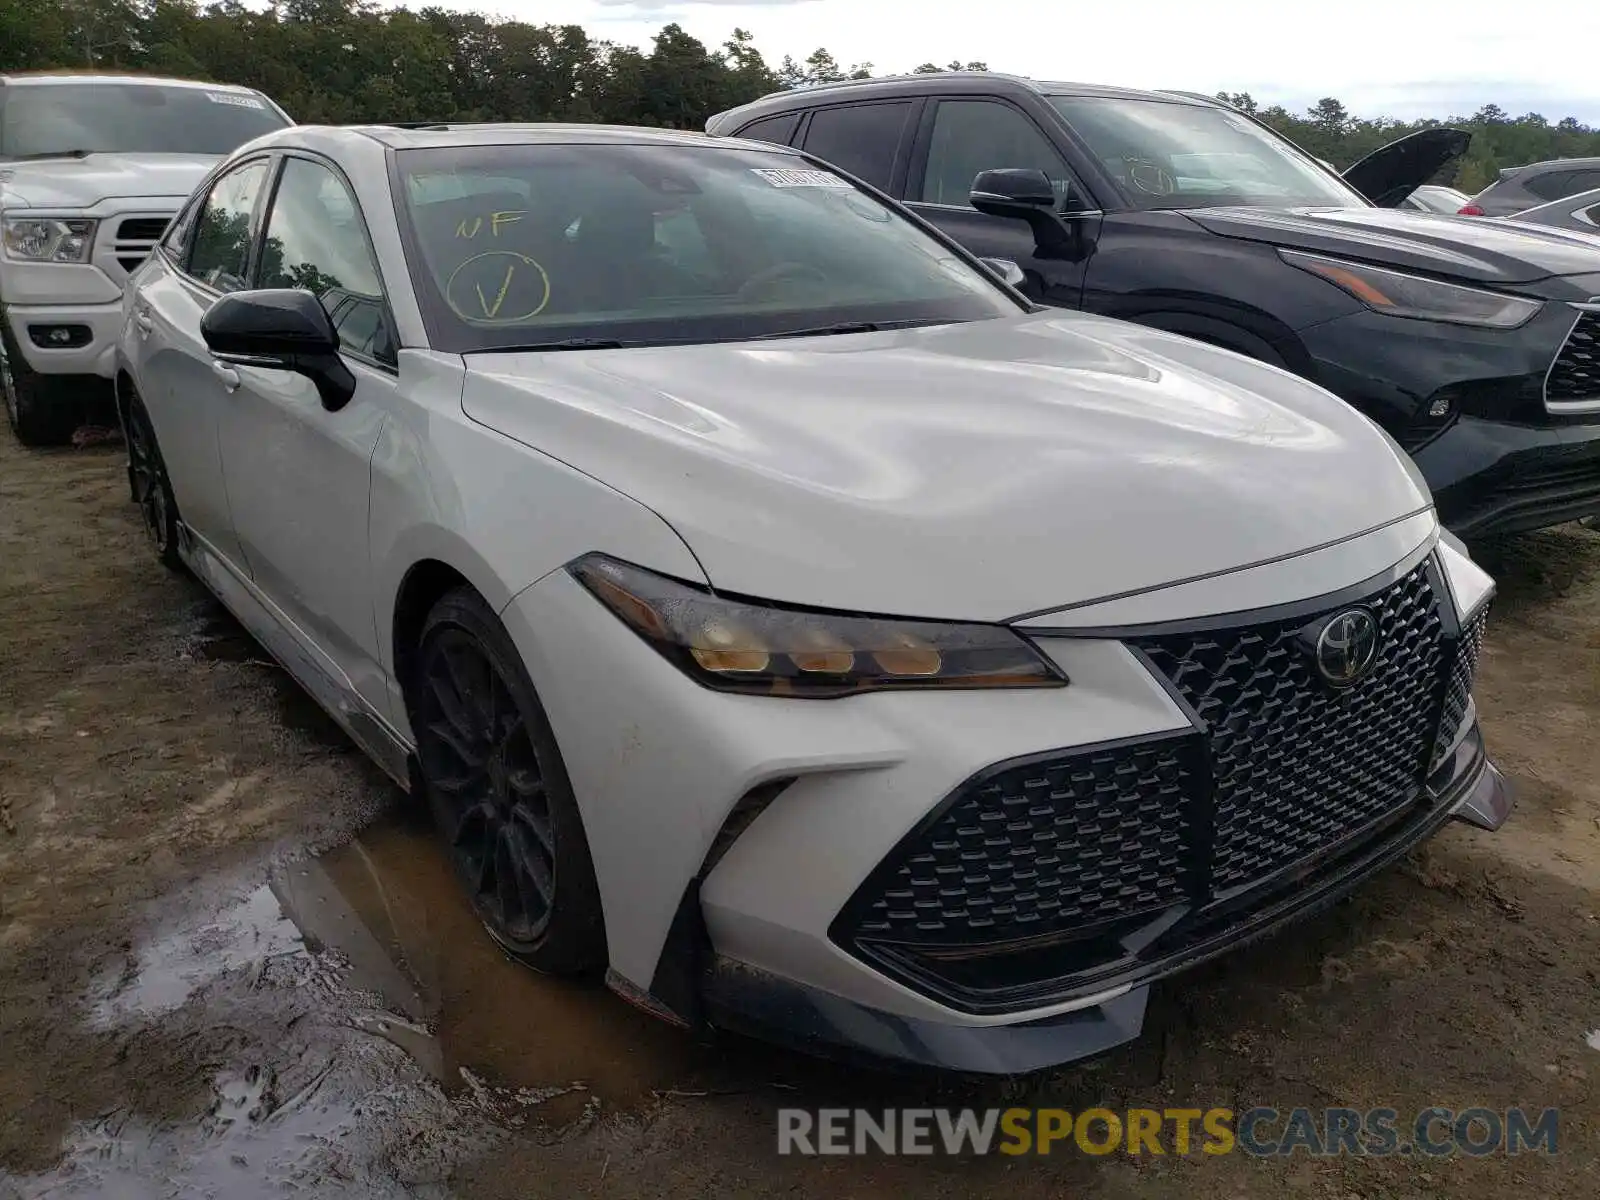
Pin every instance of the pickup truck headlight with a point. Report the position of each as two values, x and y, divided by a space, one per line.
1401 295
743 646
49 239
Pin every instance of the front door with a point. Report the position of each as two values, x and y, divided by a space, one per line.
298 476
963 136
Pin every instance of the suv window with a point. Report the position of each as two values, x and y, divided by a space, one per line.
970 136
779 129
859 138
221 254
1552 185
316 240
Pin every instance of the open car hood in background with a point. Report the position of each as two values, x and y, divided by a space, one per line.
1391 173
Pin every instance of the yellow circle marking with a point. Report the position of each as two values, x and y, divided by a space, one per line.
491 301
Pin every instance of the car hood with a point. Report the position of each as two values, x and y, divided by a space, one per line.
978 471
73 183
1391 173
1452 247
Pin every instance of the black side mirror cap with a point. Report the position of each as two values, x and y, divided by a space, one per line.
1026 194
281 329
1012 191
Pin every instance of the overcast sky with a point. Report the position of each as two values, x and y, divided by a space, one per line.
1401 58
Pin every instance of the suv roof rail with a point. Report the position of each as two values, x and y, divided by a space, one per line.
412 124
901 78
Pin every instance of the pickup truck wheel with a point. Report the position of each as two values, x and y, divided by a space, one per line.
152 490
38 407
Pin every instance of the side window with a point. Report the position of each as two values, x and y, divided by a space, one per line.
221 253
779 129
1552 185
859 138
316 240
970 136
176 238
1591 214
1581 181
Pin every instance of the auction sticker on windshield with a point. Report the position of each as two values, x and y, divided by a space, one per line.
789 179
227 98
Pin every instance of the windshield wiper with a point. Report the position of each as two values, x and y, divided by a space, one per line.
52 154
850 327
577 343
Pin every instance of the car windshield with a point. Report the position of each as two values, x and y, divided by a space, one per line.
1177 155
539 244
42 119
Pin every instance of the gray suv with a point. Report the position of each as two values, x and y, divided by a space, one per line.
1521 188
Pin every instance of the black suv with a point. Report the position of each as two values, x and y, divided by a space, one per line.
1475 345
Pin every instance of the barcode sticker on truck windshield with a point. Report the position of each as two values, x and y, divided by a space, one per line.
789 179
232 98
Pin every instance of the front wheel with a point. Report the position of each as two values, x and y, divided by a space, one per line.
499 792
152 490
40 409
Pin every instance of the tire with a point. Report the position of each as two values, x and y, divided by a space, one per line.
498 790
150 486
42 411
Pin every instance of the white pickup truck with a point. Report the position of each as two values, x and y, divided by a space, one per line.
92 168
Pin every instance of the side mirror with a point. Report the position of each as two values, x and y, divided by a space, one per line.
1026 194
280 329
1013 192
1006 271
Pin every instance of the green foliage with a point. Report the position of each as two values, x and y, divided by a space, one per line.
340 61
1329 132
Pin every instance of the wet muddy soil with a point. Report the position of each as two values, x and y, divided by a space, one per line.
234 964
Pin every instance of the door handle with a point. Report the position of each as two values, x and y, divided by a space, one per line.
226 374
143 321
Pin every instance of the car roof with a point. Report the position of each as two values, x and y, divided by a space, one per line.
415 137
34 78
943 82
1550 164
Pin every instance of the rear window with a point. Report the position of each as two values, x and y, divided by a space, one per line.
39 120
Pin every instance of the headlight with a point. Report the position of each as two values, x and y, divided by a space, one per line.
1401 295
49 239
737 646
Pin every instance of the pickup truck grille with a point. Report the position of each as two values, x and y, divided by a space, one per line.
130 244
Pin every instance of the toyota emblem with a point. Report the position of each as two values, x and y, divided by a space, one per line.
1347 647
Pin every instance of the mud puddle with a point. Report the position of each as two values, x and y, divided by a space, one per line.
348 1025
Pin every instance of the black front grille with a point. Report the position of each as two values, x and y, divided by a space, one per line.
1458 692
1575 375
1067 842
142 229
1041 875
1297 765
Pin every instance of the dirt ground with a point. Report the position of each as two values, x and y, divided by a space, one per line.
232 964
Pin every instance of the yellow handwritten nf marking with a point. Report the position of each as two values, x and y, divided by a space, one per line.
496 269
504 218
462 231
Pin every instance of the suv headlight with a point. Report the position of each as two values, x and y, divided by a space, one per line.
1401 295
743 646
49 239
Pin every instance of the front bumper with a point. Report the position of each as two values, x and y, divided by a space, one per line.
740 999
732 835
96 355
1491 477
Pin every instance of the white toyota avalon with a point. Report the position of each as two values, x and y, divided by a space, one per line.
778 612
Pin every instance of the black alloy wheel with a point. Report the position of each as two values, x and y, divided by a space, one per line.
150 486
499 792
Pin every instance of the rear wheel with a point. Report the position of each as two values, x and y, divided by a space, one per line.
41 410
499 792
148 482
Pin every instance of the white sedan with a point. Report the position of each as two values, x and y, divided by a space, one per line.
779 613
